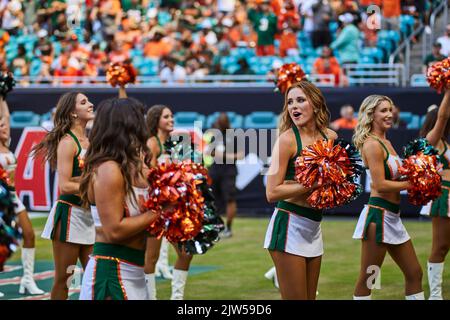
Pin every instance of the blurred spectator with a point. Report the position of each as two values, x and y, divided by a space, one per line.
396 121
288 16
20 64
370 25
328 64
117 53
226 6
158 45
265 23
4 39
43 47
244 67
306 10
44 75
12 20
172 72
346 43
288 43
321 17
445 42
433 57
391 10
347 119
289 23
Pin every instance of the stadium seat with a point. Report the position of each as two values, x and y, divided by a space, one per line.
228 61
187 119
22 119
261 120
35 67
414 123
366 59
243 52
406 116
236 120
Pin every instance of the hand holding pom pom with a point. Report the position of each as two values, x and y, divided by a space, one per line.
173 192
121 74
421 166
287 75
332 166
438 75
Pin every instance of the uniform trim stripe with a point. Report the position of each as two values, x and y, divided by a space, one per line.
279 232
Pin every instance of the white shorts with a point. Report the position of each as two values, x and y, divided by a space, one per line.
114 272
291 231
77 224
389 226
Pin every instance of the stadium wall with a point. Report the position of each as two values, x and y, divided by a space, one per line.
242 100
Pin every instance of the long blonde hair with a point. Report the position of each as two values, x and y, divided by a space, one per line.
315 98
365 118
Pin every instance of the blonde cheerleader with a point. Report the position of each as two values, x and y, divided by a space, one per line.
115 186
436 129
9 163
69 226
294 236
379 226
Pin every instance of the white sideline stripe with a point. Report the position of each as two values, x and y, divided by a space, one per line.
34 215
46 296
37 276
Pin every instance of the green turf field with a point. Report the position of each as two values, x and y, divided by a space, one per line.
234 269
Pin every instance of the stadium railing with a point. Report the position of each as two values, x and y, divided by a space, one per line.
375 73
405 49
429 38
155 81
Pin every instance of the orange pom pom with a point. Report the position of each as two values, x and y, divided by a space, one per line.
423 173
289 74
174 193
120 74
438 75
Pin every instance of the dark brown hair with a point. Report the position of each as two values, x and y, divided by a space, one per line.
430 121
153 117
119 134
63 122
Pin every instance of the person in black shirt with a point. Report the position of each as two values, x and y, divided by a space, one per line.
223 172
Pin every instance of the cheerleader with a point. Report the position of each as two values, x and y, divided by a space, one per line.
9 162
69 226
160 125
436 130
379 226
114 184
294 236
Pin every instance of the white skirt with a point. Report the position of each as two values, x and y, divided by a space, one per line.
113 278
389 226
77 224
292 233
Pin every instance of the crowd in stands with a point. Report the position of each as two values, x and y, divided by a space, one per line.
175 39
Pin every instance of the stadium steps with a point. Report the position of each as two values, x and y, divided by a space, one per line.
416 49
